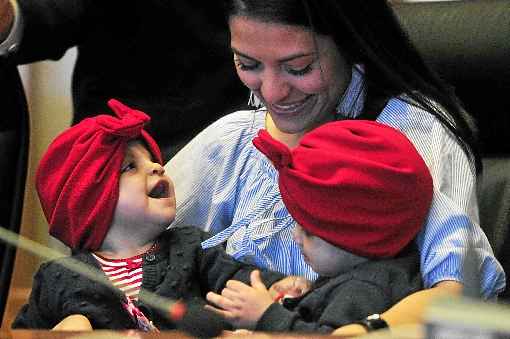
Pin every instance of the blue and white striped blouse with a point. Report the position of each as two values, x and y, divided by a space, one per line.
226 186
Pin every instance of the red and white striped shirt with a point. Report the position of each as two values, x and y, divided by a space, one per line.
125 274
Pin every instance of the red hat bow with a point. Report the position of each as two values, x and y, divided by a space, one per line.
278 153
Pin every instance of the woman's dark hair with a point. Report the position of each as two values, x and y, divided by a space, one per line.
367 32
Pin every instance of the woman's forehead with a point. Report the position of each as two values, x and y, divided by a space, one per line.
251 35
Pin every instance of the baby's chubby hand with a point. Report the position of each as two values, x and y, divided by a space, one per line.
240 304
291 286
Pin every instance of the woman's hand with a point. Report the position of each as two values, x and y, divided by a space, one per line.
410 310
74 322
240 304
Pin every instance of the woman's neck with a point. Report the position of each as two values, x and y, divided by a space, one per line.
289 139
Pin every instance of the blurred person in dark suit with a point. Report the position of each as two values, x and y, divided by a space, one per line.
170 59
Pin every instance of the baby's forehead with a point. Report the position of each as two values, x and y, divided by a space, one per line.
138 147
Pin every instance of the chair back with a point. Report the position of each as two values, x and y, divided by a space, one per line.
468 44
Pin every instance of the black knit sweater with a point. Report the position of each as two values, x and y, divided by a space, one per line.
180 269
372 287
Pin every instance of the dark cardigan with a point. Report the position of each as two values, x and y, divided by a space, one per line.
179 270
372 287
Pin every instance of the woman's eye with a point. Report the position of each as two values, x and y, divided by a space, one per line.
300 71
243 66
127 167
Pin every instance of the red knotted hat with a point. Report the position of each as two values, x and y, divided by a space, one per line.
357 184
78 177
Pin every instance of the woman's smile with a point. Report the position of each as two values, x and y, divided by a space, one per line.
299 80
293 108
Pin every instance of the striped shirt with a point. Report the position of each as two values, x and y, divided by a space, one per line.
125 274
226 186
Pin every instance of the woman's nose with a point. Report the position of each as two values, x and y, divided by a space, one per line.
273 88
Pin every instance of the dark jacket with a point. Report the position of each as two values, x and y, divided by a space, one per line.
179 270
372 287
14 144
169 58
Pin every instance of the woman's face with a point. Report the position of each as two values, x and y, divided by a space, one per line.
298 75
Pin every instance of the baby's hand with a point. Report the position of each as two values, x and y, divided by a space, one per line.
240 304
73 322
291 286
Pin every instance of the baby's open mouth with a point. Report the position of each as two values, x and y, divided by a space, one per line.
160 190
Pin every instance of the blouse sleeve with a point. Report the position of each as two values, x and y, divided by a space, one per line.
453 222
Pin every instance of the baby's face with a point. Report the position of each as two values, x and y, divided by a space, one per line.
146 193
326 259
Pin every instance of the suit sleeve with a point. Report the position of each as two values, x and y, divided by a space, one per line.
51 27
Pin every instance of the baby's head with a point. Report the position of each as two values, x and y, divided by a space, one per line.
102 171
357 189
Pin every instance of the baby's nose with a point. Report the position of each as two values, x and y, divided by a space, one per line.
156 168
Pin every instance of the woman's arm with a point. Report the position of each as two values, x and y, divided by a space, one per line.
409 310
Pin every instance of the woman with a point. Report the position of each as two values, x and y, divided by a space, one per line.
308 62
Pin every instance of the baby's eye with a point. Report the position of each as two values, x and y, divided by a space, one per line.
127 167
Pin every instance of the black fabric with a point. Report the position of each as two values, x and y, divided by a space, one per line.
494 200
14 135
468 43
179 270
372 287
170 59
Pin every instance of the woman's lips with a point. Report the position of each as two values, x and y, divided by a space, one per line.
291 108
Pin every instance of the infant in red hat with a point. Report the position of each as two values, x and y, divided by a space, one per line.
359 193
105 194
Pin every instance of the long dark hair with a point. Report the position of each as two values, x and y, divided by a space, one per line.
367 32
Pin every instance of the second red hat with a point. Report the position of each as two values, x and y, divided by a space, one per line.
357 184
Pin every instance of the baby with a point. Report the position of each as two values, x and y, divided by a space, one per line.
105 194
359 193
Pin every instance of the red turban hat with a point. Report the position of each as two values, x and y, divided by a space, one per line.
359 185
78 177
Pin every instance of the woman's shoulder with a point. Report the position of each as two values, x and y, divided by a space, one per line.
423 128
245 122
225 140
403 113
